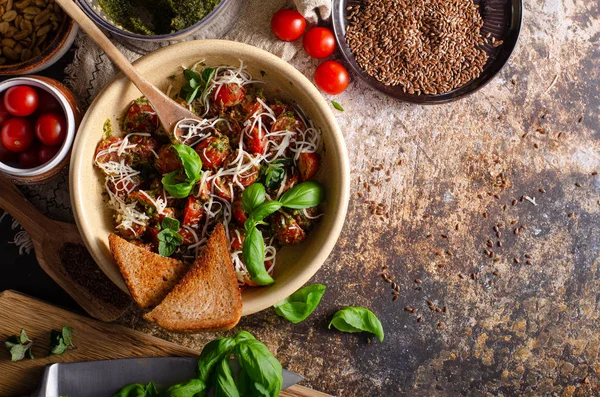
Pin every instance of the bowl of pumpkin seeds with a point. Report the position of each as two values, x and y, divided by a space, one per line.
34 34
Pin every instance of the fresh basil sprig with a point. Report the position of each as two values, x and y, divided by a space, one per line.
138 390
179 183
61 341
260 373
169 238
273 173
304 195
299 305
19 346
357 319
197 84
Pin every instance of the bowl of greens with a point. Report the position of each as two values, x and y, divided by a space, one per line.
162 20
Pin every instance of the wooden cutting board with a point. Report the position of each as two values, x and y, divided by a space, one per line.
94 340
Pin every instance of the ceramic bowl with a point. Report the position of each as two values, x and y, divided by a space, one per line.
73 114
208 27
58 47
295 264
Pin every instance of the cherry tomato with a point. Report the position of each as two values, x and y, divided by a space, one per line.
51 129
29 158
238 211
229 95
47 103
308 165
21 100
4 115
168 160
140 117
319 42
46 153
193 212
213 151
255 140
17 134
286 229
288 25
237 239
6 156
332 77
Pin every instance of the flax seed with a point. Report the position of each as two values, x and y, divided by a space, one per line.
578 184
418 281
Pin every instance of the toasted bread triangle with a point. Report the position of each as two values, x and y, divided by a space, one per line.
208 297
148 276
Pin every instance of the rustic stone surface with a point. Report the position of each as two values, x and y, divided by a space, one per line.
527 329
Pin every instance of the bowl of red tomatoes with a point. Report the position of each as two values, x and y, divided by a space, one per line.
38 120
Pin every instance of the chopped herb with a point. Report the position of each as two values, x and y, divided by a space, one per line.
263 73
19 346
169 238
61 341
337 106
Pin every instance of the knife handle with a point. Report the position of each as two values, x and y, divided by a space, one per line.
301 391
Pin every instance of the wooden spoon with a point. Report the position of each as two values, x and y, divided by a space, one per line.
168 111
48 238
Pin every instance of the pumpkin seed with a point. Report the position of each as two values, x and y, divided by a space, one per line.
40 3
22 4
10 53
4 27
18 48
21 35
26 55
43 30
8 43
33 10
2 11
9 16
10 32
41 18
9 5
26 25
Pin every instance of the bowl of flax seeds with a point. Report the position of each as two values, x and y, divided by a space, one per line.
427 51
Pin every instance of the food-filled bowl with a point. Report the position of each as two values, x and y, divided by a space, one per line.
35 36
212 25
501 19
295 264
56 105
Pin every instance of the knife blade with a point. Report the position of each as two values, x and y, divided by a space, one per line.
106 377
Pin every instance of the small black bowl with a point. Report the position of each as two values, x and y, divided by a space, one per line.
502 18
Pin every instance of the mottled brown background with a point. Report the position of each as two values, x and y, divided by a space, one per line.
530 329
534 330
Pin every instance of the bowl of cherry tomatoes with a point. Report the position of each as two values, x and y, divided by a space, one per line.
38 120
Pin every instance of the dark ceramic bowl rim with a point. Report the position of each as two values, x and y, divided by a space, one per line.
91 13
15 69
489 72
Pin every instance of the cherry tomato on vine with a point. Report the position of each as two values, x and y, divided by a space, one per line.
17 134
29 158
319 42
288 25
332 77
21 100
46 153
51 129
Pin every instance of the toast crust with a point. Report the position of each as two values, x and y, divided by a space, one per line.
149 276
208 297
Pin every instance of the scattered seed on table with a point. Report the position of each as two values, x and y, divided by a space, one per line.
479 195
441 265
594 173
528 262
524 135
496 259
439 253
418 281
500 244
426 216
542 190
461 276
445 309
514 202
528 256
495 273
571 214
496 229
408 309
513 222
438 310
395 298
490 243
395 293
441 324
535 145
429 235
419 319
578 184
497 197
498 234
449 253
485 215
444 236
516 260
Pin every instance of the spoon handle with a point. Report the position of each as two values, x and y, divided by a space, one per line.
13 202
154 95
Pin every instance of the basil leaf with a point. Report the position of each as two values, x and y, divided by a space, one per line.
170 223
190 160
168 241
61 341
273 173
212 353
298 306
253 252
357 319
304 195
17 352
264 210
175 188
253 196
191 75
137 390
244 384
207 76
23 338
337 106
262 369
191 388
242 336
224 383
189 97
